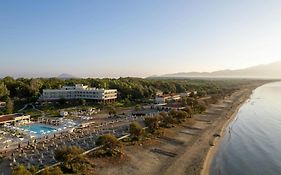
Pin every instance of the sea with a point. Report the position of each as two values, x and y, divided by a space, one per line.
252 142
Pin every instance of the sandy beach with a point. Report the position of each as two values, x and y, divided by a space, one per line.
212 151
186 149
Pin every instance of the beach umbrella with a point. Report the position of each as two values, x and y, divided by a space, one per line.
14 160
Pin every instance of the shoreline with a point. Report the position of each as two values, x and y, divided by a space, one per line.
187 148
217 141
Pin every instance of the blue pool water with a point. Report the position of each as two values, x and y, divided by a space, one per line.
38 129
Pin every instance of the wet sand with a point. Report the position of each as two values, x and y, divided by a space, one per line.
212 151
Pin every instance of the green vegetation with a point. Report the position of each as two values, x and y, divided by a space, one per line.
52 171
73 162
9 106
165 120
131 91
153 123
66 153
112 111
33 169
111 146
21 170
136 131
4 92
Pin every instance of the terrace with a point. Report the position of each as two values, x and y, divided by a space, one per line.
14 119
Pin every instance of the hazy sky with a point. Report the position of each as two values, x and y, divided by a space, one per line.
112 38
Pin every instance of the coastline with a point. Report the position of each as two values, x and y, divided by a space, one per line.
217 141
184 149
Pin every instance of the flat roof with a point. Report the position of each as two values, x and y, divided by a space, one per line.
5 118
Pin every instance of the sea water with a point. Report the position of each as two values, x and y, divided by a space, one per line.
252 144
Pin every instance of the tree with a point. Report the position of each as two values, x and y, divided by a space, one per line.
82 102
45 172
52 171
73 161
136 131
21 170
66 153
35 86
9 106
166 120
33 169
110 144
137 108
62 101
112 111
179 116
192 94
4 92
188 110
152 123
79 164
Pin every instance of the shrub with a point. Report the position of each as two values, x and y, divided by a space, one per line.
111 146
136 131
21 170
152 123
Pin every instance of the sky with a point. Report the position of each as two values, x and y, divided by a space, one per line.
110 38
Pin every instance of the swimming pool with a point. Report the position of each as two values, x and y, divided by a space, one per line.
38 129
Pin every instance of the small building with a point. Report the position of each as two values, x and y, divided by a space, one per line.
162 99
14 119
50 120
175 97
166 98
159 93
185 94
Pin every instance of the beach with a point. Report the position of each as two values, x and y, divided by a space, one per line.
186 149
212 151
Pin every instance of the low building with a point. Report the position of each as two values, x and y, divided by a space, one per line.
14 119
50 120
79 91
162 99
166 98
185 94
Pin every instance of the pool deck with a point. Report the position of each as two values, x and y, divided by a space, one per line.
29 136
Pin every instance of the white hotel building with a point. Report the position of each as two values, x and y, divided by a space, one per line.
79 91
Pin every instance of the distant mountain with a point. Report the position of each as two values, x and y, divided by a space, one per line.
65 76
272 70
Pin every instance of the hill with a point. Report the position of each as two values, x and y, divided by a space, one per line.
65 76
272 70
